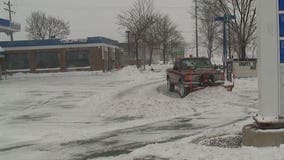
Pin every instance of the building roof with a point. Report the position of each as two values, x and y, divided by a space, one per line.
58 43
30 43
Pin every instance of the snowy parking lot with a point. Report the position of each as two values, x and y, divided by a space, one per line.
126 114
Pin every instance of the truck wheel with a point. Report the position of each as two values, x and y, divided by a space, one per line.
170 86
182 90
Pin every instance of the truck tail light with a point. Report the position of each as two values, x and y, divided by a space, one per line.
192 77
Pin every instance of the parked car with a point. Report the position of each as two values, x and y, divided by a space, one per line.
192 73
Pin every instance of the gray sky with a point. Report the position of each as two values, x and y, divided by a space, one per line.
97 17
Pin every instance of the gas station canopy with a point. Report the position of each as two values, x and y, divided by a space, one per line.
8 26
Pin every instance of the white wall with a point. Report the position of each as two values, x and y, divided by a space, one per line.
268 62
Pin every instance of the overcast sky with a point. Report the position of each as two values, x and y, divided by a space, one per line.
97 17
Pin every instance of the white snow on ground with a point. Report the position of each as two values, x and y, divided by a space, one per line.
185 149
40 112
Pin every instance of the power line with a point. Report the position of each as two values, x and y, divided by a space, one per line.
10 11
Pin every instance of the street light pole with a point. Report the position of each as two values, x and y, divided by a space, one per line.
225 51
128 41
196 30
227 67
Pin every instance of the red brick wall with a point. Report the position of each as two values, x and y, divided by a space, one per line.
62 60
96 59
110 60
92 58
33 62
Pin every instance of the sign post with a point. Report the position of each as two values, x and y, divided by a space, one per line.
226 64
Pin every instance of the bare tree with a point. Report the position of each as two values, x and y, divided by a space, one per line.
176 42
152 37
40 27
244 26
57 28
209 29
36 25
169 35
137 20
163 32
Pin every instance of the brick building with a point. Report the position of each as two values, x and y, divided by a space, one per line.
93 53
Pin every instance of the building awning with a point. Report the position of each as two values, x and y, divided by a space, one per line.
58 44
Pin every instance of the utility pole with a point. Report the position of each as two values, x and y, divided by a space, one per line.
230 41
8 9
196 29
128 42
225 48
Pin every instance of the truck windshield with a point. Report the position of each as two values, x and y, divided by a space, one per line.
196 63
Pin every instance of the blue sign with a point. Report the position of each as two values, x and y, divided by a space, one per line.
281 25
225 18
281 5
282 51
5 22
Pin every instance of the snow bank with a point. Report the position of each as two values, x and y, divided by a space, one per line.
128 71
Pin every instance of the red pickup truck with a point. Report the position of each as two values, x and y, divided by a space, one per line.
192 73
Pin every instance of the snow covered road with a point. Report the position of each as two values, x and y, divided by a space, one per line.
92 115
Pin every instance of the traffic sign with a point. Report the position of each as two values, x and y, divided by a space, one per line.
225 18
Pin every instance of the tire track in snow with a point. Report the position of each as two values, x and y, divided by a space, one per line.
127 147
134 88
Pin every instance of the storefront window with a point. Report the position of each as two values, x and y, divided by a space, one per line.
17 61
47 60
77 59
